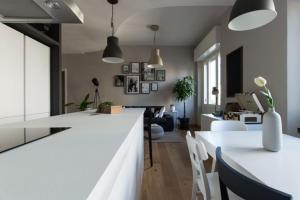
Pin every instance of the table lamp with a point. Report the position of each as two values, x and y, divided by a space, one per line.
215 92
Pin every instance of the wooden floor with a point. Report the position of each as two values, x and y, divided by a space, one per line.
170 178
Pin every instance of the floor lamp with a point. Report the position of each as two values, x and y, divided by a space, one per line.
96 96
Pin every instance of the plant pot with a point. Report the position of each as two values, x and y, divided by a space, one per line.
272 131
184 123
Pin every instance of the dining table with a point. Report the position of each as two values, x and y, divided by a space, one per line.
243 151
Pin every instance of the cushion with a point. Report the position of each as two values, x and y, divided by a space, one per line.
162 111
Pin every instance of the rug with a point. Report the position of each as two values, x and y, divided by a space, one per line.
171 137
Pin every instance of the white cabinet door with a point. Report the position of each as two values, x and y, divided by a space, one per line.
37 79
11 75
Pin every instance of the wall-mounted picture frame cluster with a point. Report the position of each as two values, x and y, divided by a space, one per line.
138 78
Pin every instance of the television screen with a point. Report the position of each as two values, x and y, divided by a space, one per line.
234 73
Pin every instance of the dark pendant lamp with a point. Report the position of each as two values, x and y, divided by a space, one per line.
251 14
112 53
155 60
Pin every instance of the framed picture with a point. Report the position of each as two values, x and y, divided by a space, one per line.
135 68
132 84
145 88
119 81
125 69
148 74
160 75
154 86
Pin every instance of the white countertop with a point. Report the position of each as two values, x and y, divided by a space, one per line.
243 151
69 164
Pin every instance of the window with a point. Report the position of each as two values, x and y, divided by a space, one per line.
211 79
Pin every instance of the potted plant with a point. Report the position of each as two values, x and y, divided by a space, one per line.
83 104
183 90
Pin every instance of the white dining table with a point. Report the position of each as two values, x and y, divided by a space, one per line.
244 152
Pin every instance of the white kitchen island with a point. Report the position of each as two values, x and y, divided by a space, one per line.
101 157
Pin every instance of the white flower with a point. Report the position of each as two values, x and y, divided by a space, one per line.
260 81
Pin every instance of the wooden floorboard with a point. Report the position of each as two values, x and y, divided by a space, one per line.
170 178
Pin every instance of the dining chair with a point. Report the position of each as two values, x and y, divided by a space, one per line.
243 186
226 125
205 183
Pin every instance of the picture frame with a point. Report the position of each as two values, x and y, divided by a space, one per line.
135 68
145 88
132 85
154 86
125 69
160 75
148 74
119 80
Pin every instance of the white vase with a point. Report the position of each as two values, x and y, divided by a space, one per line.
272 131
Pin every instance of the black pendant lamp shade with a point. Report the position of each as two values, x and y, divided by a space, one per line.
251 14
112 53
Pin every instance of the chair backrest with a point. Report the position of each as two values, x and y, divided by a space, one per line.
228 125
198 153
242 185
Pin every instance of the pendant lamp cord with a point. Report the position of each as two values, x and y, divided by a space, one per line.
154 39
112 20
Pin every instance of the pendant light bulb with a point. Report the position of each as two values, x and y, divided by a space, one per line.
155 60
251 14
112 53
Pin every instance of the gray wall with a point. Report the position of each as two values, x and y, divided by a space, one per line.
264 55
81 68
293 65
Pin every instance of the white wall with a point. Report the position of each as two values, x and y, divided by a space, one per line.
293 65
83 67
264 55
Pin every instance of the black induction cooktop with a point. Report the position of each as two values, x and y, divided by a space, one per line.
11 138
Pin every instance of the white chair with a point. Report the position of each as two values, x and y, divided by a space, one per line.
226 125
206 183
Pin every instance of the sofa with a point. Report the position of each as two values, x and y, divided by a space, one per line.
166 121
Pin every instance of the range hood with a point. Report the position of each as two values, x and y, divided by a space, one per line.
40 11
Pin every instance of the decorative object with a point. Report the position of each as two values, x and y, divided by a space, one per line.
135 68
183 90
132 84
247 15
154 86
160 75
125 69
112 53
96 95
155 60
145 88
119 81
272 125
109 108
148 74
215 92
234 72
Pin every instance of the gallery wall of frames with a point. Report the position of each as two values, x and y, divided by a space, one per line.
138 78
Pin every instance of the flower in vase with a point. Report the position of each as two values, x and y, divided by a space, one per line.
262 82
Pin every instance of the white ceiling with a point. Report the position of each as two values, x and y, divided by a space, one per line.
183 22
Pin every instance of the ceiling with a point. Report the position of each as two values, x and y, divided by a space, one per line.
183 23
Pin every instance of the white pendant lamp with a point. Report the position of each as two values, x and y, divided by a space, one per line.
251 14
155 60
112 53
